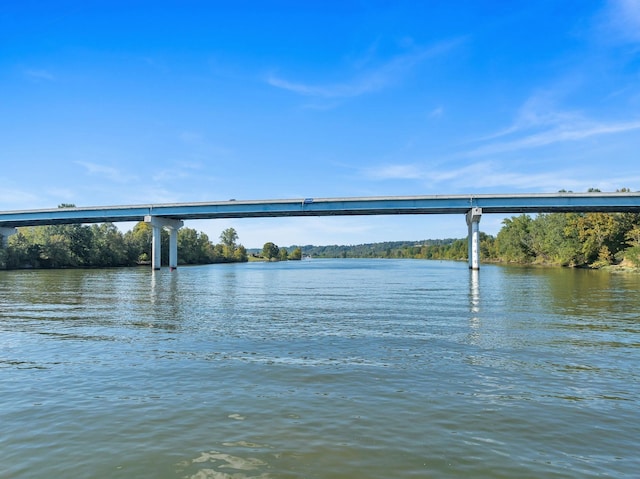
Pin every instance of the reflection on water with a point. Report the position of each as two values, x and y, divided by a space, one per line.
218 465
474 306
474 286
319 369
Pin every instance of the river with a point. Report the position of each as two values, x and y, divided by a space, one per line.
320 369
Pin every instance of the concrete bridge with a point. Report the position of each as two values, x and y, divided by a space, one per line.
171 216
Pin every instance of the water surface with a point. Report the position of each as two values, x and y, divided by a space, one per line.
320 369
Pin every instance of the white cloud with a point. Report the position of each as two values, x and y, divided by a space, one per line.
540 123
169 175
538 111
395 172
621 21
372 80
493 178
9 198
181 170
366 84
560 133
496 176
105 172
537 124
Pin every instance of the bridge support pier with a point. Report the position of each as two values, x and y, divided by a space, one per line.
473 222
5 233
156 242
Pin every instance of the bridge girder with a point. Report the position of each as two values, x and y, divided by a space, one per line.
392 205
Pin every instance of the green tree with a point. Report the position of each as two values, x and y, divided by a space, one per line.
296 254
109 247
552 241
189 247
218 253
514 240
56 252
3 254
596 231
228 238
80 242
633 240
58 246
208 253
22 251
487 247
138 241
240 254
270 250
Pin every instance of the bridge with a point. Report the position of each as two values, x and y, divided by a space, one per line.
171 216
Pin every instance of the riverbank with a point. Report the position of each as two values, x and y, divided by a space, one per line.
622 267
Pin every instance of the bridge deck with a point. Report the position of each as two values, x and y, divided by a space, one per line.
391 205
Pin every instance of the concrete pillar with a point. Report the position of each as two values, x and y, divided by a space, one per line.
5 233
157 223
473 222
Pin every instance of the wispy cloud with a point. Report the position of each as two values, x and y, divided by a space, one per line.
561 133
553 181
38 75
155 194
621 21
539 123
395 172
499 176
161 176
9 198
504 159
539 111
493 175
427 173
368 81
105 172
436 112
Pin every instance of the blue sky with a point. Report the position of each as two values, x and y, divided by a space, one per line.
109 103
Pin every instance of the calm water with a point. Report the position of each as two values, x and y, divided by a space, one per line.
320 369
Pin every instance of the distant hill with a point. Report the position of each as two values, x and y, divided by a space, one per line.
387 249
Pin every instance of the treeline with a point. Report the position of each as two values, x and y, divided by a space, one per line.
567 239
427 249
104 245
